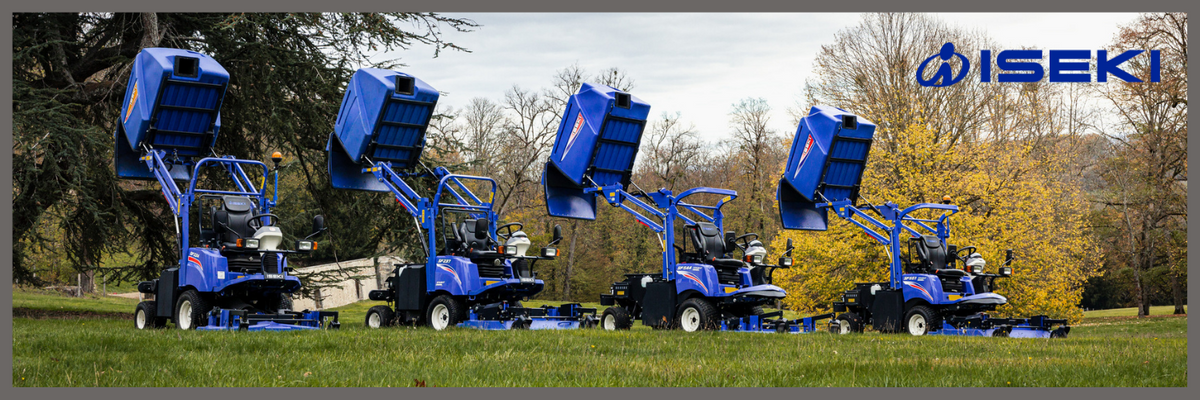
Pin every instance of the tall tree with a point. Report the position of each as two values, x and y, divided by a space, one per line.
287 72
1148 174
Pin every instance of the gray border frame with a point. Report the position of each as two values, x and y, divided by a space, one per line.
556 6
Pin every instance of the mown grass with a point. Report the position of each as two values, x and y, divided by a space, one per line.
1130 312
109 352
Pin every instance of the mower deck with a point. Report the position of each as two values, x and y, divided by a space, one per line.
764 324
225 319
567 316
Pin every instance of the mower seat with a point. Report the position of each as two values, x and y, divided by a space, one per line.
711 245
231 221
932 252
476 248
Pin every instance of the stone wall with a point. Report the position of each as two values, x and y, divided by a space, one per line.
349 290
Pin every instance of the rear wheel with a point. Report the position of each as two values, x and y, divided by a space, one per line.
144 316
615 318
380 316
276 303
444 312
920 320
849 323
696 314
191 310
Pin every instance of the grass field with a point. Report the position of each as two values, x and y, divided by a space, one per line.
85 343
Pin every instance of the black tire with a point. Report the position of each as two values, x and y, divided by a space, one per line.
275 303
919 321
618 317
704 318
199 310
455 312
145 317
849 323
379 317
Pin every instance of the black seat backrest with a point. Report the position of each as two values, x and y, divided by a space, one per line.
707 240
467 232
931 251
235 213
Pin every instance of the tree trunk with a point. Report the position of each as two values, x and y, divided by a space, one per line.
570 263
1177 292
87 281
1142 307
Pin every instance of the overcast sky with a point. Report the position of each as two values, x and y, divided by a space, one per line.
696 64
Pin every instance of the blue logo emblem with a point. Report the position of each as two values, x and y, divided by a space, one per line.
943 75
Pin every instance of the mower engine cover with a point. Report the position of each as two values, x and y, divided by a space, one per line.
598 137
172 102
383 117
829 153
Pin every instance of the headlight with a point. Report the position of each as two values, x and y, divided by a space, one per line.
1006 271
507 250
754 259
305 245
976 269
247 243
785 261
549 252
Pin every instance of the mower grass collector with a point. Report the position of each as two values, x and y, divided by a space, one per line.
927 292
236 277
468 278
703 288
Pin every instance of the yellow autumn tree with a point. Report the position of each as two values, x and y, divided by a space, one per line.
1008 197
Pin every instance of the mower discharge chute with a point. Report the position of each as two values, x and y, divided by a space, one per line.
927 292
237 277
468 278
705 288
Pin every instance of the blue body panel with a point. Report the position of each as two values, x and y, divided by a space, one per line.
702 278
827 159
207 271
596 139
458 276
168 109
380 123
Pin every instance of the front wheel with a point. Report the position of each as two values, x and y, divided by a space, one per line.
919 320
379 316
444 312
696 314
615 318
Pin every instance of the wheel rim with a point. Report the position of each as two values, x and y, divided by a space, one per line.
690 319
373 320
844 326
185 315
441 317
610 322
140 317
916 325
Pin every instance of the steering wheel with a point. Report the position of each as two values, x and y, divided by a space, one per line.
745 240
508 229
964 258
255 222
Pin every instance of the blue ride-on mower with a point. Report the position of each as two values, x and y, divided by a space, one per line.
469 277
701 284
235 275
927 293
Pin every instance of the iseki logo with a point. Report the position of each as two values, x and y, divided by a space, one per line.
1026 66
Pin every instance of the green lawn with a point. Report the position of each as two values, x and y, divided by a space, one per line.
109 352
1130 312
